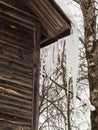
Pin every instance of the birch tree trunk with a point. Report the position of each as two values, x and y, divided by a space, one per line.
91 46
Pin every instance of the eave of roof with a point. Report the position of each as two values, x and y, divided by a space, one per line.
53 20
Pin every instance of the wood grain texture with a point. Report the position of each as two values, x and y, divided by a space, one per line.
19 67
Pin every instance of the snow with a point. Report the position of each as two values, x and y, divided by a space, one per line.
63 5
91 38
86 100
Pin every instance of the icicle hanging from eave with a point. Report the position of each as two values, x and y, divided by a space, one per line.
72 59
48 57
50 53
72 49
75 66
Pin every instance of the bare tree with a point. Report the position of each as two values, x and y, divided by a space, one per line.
53 99
90 12
56 105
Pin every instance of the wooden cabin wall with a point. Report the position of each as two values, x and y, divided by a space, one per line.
16 76
18 4
19 71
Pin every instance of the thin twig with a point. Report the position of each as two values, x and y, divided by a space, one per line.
61 86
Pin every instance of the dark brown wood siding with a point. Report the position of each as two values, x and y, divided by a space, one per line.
18 4
19 69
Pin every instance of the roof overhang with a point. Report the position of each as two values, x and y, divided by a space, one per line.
53 20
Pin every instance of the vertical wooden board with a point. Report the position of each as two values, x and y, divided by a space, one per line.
36 67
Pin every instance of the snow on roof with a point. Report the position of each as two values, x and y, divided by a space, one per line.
66 9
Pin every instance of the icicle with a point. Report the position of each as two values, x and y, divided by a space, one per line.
72 53
72 48
55 54
75 62
59 44
49 58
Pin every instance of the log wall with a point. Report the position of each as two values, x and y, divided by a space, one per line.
19 69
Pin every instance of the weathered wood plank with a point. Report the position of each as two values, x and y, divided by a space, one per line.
18 88
22 110
8 91
18 97
26 35
17 61
16 67
12 125
21 107
16 54
12 70
5 73
17 103
14 42
36 68
15 81
18 14
10 32
14 21
14 115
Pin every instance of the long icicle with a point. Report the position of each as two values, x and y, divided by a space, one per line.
72 53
